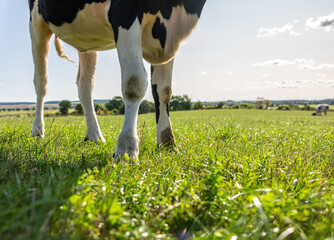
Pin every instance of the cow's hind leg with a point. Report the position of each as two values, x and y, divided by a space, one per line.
162 92
85 82
40 39
134 86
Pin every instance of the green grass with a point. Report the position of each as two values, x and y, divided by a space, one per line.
245 173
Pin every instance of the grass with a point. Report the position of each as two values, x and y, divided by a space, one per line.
239 174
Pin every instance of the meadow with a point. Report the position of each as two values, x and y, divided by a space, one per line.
238 174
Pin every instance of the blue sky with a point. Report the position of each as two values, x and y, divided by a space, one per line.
240 50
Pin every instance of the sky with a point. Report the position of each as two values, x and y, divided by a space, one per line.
240 50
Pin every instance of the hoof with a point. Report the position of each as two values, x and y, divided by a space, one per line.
167 139
97 139
130 159
127 148
38 132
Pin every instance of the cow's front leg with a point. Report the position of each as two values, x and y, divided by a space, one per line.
85 82
134 85
162 92
40 40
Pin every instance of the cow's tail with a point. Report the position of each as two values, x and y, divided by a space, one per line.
60 50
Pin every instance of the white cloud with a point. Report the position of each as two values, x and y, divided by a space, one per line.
287 28
300 84
284 85
270 63
300 63
230 73
265 75
325 22
317 67
204 73
321 75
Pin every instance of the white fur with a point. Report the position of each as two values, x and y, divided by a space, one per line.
129 49
40 38
85 82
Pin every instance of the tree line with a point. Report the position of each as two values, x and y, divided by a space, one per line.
116 106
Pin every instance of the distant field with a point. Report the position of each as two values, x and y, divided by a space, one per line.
239 174
30 113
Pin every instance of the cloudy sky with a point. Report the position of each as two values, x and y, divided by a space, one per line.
240 50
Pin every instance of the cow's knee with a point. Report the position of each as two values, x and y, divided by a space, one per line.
135 87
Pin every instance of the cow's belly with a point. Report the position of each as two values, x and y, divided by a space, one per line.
90 30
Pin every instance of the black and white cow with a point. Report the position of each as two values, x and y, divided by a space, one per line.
149 29
322 108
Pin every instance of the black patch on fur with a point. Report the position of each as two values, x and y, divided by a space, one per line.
167 109
123 13
194 6
159 31
59 12
156 100
31 6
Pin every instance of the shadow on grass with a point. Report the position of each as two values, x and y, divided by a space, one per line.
37 176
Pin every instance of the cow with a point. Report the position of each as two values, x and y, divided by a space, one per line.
321 108
138 29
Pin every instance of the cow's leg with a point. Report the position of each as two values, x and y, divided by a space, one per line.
40 40
134 85
162 92
85 82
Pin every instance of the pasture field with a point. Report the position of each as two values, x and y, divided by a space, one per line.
239 174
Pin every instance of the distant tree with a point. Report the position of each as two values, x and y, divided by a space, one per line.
250 106
115 103
100 109
79 109
64 106
292 106
246 106
284 107
178 103
198 105
146 107
114 112
259 103
220 105
307 107
267 103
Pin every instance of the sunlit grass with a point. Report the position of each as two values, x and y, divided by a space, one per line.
239 173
